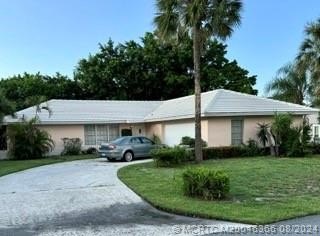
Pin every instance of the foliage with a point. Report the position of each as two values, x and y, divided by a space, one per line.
27 141
315 148
90 150
290 85
157 70
170 156
71 146
190 142
251 149
6 107
206 183
309 54
156 139
263 133
30 89
284 138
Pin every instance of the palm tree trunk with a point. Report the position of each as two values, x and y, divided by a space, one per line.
197 93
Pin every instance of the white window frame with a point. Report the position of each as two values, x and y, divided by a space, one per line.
96 133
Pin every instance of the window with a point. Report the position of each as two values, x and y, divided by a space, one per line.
102 134
316 131
146 140
236 131
89 135
113 132
97 134
135 141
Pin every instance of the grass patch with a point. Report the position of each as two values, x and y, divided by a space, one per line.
11 166
262 190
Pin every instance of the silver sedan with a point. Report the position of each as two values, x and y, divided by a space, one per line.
127 148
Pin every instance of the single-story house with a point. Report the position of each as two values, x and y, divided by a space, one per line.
228 118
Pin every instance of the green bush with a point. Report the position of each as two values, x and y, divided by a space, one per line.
72 146
205 183
188 141
170 156
27 141
90 150
250 150
314 148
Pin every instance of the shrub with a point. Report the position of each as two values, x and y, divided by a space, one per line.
156 139
205 183
27 141
289 140
252 149
188 141
222 152
170 156
72 146
90 150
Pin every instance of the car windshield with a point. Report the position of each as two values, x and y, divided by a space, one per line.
121 140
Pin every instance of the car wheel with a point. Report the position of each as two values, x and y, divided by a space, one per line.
128 156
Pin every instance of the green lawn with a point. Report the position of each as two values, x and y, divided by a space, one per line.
263 190
10 166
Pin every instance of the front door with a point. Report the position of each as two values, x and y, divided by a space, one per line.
126 132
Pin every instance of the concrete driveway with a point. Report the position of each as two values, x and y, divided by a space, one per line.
86 198
78 198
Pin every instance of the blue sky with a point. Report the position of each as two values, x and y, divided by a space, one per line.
50 36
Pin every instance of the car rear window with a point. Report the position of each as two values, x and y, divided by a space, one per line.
122 140
146 140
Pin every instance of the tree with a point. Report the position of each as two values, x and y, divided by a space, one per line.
27 141
157 70
6 107
30 89
309 53
290 85
284 138
202 19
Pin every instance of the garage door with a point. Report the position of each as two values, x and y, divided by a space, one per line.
174 132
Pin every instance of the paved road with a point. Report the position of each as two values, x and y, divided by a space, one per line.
87 198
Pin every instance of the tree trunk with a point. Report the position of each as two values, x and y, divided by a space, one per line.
197 93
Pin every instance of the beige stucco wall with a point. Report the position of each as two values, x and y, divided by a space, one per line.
154 129
58 132
219 129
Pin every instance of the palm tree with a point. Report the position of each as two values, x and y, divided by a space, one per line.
202 20
289 85
309 54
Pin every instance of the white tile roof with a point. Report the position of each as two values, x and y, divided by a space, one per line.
90 111
222 102
214 103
